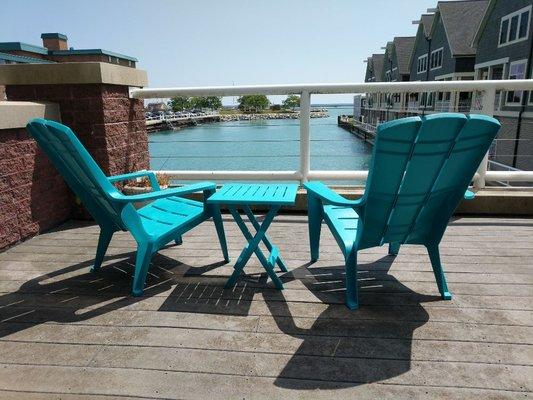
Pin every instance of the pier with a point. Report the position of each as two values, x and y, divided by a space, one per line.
364 131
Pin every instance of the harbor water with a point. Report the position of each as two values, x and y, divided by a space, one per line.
259 145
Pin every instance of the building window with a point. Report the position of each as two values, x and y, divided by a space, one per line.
517 70
435 61
515 27
422 64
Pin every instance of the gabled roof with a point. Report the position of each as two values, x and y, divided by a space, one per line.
23 59
403 47
426 20
423 31
377 64
461 20
483 22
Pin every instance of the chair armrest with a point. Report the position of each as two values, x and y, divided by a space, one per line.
331 197
469 195
133 175
159 194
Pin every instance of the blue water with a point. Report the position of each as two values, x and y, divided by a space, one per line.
258 145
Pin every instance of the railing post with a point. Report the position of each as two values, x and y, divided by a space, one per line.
305 141
487 108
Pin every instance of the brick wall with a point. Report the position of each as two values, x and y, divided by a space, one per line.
110 124
33 196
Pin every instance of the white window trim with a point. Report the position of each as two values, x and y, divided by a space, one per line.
508 17
514 104
530 93
442 58
491 63
418 71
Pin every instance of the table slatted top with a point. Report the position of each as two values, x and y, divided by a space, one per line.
276 194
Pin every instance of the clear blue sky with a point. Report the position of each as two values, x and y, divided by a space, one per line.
224 42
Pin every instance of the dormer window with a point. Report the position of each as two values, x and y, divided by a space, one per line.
514 27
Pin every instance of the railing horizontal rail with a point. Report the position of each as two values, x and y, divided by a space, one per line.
335 88
486 105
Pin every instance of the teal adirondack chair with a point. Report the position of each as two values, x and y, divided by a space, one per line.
163 220
420 171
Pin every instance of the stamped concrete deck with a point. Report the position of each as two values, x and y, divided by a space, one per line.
69 334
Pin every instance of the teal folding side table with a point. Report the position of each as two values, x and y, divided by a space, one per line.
244 195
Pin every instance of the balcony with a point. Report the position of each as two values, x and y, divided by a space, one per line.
68 332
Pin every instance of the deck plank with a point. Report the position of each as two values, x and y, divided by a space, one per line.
75 335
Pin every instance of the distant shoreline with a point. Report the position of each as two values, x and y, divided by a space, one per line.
269 115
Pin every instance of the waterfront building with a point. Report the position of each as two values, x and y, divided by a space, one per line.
7 58
55 49
447 52
465 40
372 105
504 42
396 68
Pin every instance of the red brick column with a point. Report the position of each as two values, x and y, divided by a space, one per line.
110 124
93 100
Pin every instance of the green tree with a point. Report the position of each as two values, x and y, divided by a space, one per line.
179 103
292 101
212 102
253 102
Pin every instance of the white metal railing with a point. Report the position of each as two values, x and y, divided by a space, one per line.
304 173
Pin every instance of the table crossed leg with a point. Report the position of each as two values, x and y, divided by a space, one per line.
253 246
266 240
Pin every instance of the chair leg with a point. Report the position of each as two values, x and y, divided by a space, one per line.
314 210
103 242
434 256
142 263
394 248
217 219
352 300
178 240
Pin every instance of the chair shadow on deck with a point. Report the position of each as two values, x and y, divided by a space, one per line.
357 347
339 348
74 294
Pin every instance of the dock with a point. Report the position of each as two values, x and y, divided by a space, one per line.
366 132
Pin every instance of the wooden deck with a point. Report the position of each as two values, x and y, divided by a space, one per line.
69 334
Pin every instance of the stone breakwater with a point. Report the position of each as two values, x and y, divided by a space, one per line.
254 117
